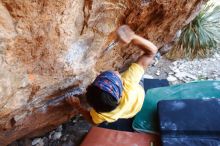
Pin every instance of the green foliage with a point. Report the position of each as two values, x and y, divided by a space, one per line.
200 37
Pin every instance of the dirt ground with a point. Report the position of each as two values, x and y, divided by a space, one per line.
180 71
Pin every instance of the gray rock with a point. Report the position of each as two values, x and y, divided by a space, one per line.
38 142
191 76
56 135
157 73
180 75
147 76
217 55
51 134
171 78
46 141
69 143
174 63
171 73
199 72
175 69
184 75
59 129
218 78
64 137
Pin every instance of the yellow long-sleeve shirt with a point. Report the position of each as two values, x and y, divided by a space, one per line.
132 97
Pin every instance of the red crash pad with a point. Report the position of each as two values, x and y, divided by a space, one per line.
106 137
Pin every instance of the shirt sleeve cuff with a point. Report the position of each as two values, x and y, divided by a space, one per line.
95 117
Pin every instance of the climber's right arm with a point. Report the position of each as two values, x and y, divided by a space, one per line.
147 46
127 35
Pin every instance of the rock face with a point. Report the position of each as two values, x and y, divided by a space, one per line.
48 46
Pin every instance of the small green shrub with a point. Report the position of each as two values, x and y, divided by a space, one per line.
200 37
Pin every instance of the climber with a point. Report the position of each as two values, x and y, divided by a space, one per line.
115 96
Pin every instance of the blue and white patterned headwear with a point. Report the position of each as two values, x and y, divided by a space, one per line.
109 82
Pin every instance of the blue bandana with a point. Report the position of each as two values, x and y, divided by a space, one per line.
109 82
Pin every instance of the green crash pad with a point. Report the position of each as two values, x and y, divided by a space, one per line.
146 120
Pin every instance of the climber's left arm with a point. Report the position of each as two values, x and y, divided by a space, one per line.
75 102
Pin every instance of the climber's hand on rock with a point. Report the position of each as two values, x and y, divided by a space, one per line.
125 33
74 101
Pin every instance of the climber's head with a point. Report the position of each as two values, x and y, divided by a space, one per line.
105 92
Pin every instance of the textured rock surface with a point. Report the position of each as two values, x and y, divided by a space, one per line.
47 46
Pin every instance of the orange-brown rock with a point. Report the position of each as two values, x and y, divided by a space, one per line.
47 46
